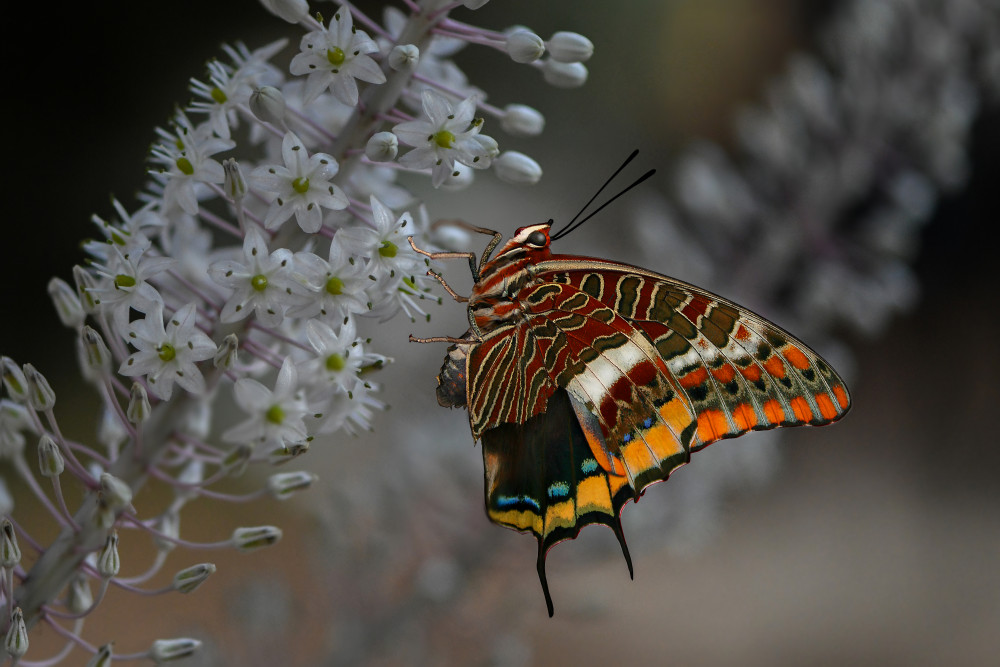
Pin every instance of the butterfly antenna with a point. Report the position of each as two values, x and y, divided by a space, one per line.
575 223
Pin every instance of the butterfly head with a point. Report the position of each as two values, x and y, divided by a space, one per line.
531 239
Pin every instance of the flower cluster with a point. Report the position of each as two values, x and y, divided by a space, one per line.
272 227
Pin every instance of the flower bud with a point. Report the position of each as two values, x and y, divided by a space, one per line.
95 351
234 184
79 598
192 577
257 537
16 641
102 658
474 4
520 120
139 409
173 649
524 46
382 147
10 552
517 168
108 561
283 484
292 11
570 47
50 459
564 75
280 455
84 282
40 394
225 356
14 380
404 57
114 493
236 461
67 303
268 105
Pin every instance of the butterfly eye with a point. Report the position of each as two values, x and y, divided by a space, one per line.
537 239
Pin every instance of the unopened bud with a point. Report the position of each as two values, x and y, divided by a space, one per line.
257 537
564 75
382 147
67 303
280 455
50 459
102 658
173 649
167 530
234 184
404 57
524 46
517 168
283 484
192 577
40 394
95 351
79 597
10 553
268 104
14 380
225 356
474 4
236 460
114 493
139 409
84 283
570 47
522 121
16 641
108 561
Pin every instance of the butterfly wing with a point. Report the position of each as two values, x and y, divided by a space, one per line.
608 382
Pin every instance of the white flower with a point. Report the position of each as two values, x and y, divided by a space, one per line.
384 244
302 186
125 286
443 135
168 354
262 283
334 57
337 286
184 158
275 416
339 357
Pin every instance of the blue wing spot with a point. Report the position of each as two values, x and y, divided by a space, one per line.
588 466
558 490
627 438
511 501
648 423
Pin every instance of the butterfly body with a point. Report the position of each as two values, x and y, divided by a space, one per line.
587 380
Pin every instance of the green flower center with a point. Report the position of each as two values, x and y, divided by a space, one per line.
335 286
275 414
167 352
259 282
388 249
219 96
301 185
122 280
444 138
335 362
335 56
185 166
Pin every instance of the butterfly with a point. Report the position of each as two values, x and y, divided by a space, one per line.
587 380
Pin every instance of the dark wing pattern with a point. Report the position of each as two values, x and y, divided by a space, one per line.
613 376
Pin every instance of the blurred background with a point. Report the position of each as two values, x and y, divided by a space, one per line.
829 164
